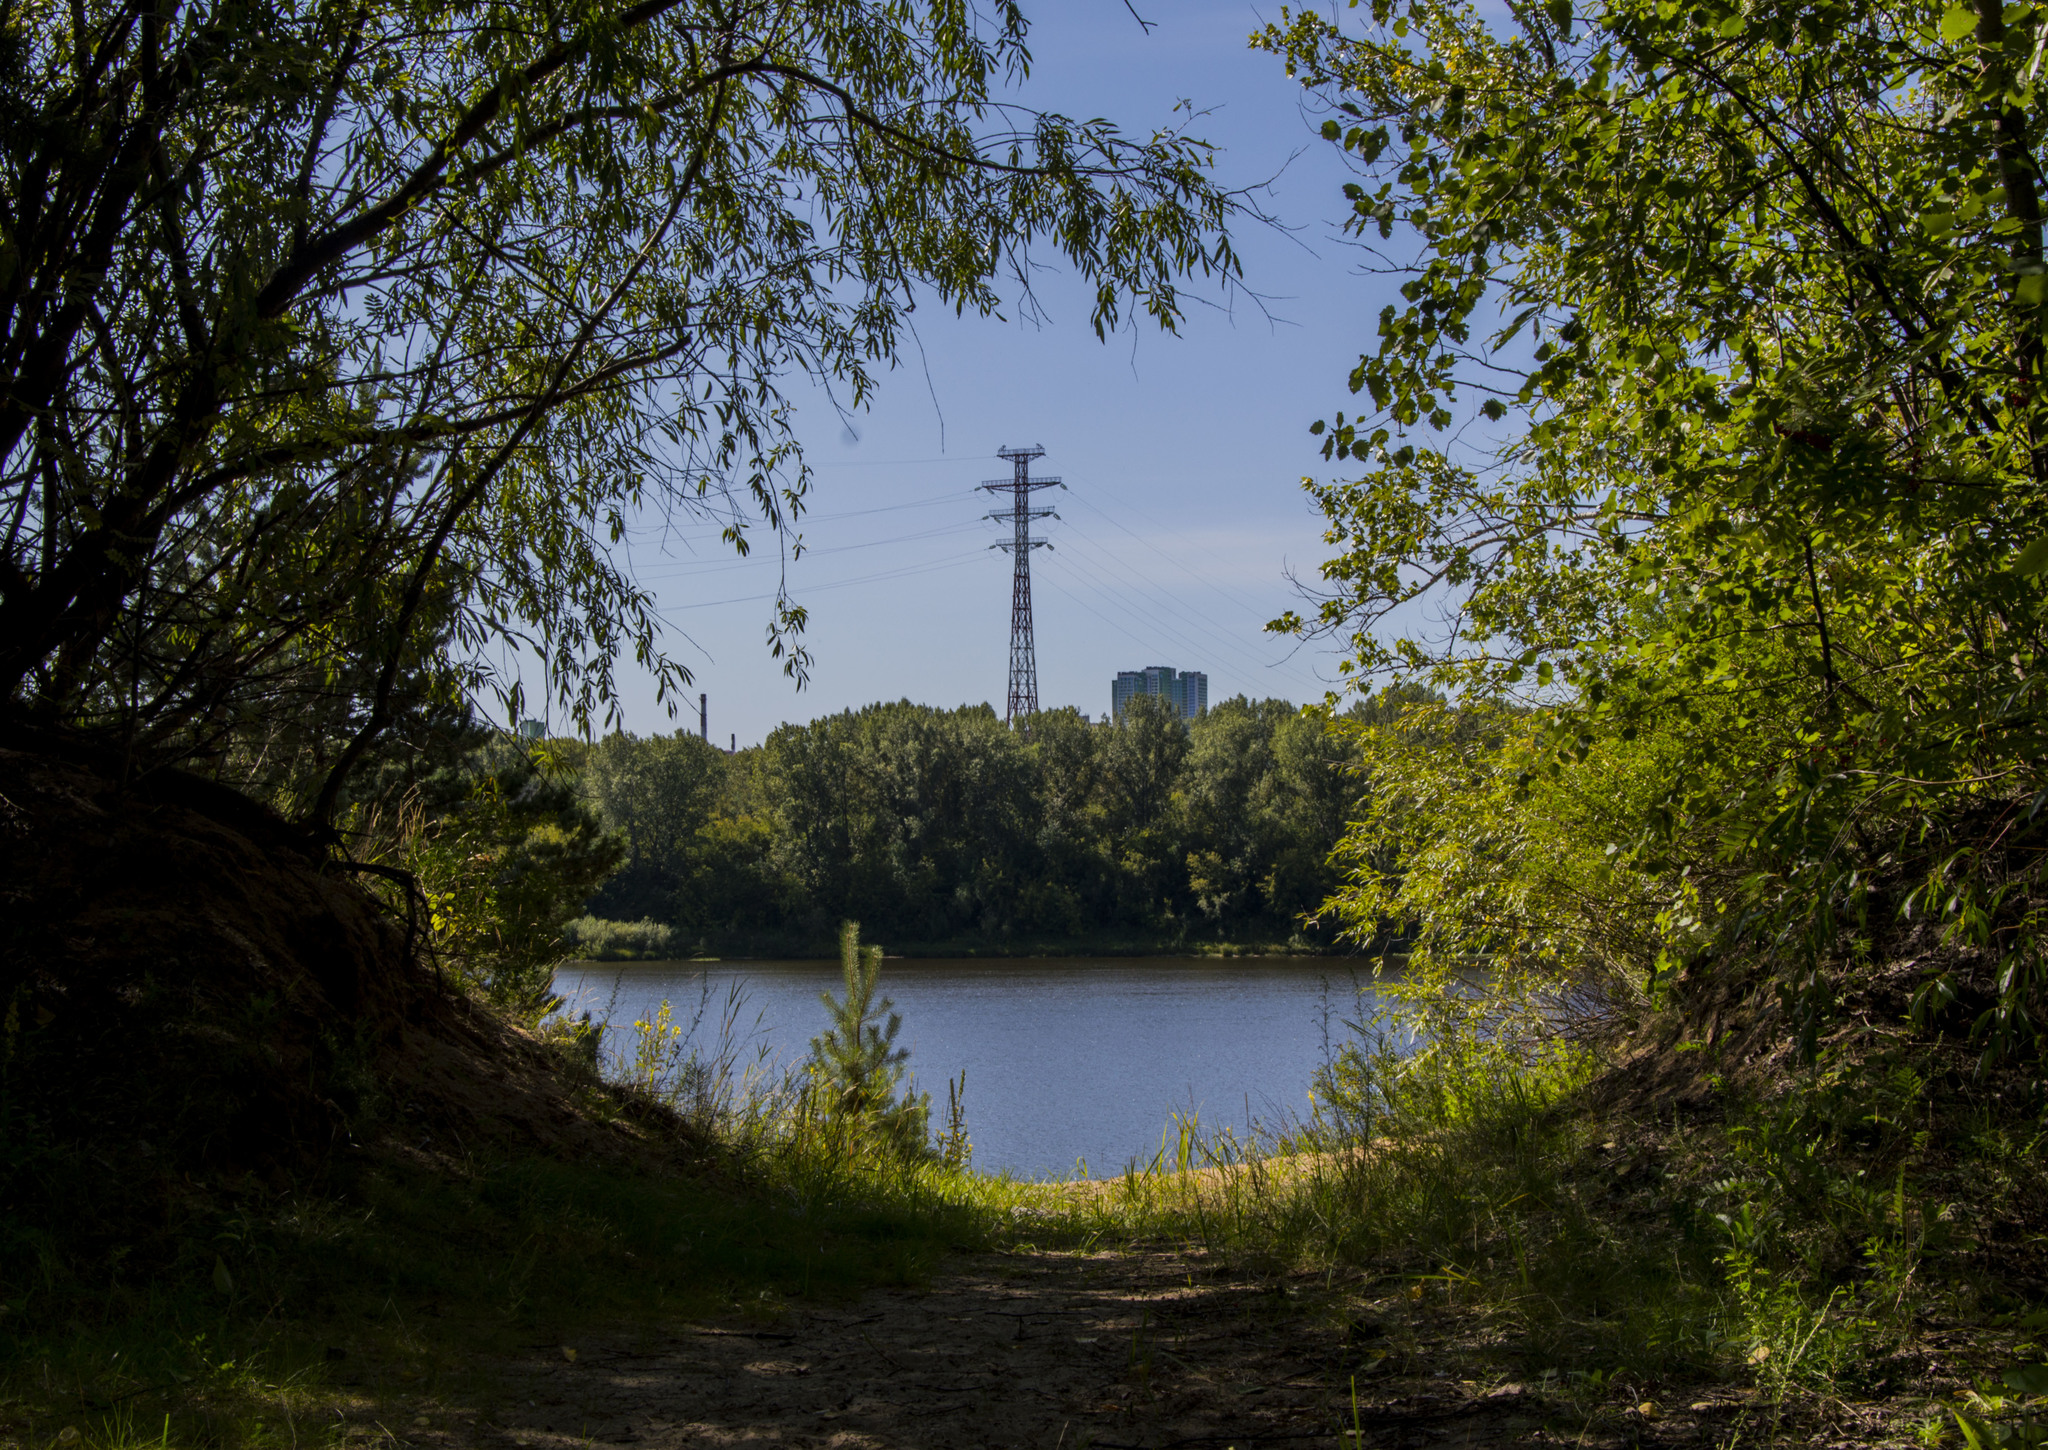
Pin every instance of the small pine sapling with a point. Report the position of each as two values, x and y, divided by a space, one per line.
856 1063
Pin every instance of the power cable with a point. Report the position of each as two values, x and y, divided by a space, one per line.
887 574
951 496
1174 604
900 462
1226 639
682 569
1158 626
1177 563
1257 679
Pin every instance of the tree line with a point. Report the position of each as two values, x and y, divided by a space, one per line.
929 824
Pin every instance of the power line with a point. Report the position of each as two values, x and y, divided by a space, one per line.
1177 563
1084 604
1177 605
1159 627
950 496
1236 659
1226 638
898 462
887 574
682 568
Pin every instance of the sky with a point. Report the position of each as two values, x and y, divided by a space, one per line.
1183 514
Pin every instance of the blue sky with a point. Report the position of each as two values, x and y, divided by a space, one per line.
1183 457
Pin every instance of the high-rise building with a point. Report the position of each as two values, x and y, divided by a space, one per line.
1187 691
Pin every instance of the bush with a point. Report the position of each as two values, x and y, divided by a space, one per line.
595 939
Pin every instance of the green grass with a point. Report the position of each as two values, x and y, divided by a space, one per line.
1462 1203
1804 1242
412 1276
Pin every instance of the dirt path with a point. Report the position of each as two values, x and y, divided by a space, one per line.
1045 1350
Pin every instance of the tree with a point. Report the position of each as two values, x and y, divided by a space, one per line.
918 817
659 794
503 852
343 341
946 824
1755 458
856 1064
1142 753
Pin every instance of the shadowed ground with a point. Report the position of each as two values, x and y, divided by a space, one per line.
1019 1349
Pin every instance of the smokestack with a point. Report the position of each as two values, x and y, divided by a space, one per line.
735 744
704 718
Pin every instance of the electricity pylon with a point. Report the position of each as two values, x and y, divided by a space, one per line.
1023 651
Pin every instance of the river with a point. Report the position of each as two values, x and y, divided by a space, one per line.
1072 1064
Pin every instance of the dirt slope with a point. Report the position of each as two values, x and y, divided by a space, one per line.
191 993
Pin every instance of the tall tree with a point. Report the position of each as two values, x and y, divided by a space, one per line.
332 330
1714 403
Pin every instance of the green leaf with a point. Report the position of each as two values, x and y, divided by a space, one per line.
1958 22
2031 289
1976 1434
2032 559
2028 1379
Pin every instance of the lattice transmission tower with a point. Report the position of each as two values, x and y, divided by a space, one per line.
1023 651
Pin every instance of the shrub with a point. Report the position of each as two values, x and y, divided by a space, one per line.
595 939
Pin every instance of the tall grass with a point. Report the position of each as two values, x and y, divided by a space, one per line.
1453 1174
1791 1243
1446 1177
1450 1186
783 1127
595 939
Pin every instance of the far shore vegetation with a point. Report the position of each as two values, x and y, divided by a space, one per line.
951 833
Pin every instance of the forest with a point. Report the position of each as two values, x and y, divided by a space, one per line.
930 825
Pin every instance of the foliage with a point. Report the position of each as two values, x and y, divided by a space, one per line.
504 853
954 1148
1482 860
595 939
341 344
855 1065
699 834
1753 463
941 824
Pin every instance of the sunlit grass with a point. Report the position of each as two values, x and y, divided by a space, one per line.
1463 1189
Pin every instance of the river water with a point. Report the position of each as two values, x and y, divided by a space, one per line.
1072 1064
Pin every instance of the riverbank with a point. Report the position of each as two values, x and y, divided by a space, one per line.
1516 1260
1108 945
1139 1040
267 1176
